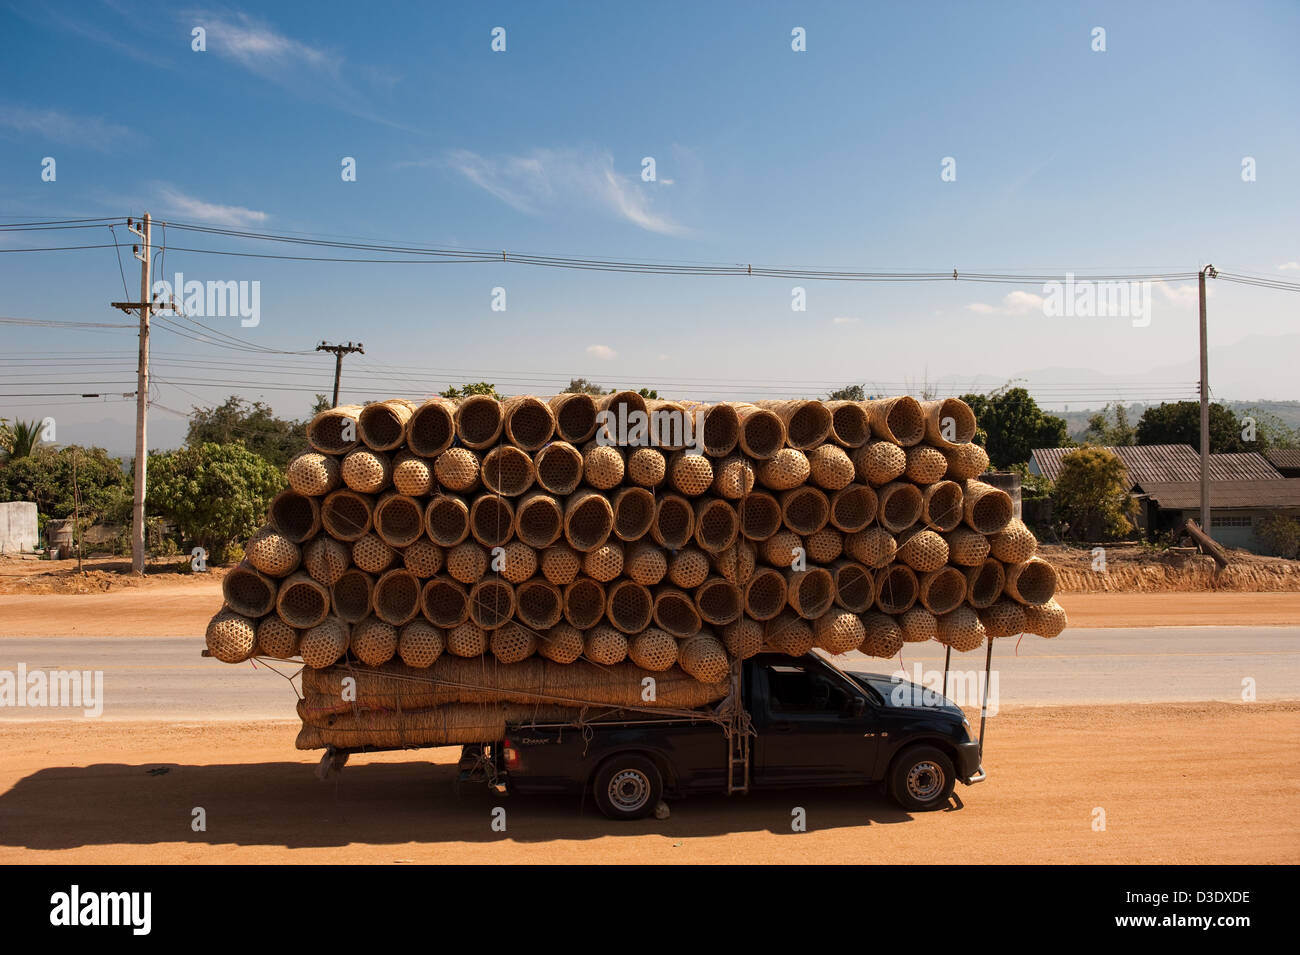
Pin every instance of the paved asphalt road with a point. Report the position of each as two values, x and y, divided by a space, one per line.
163 678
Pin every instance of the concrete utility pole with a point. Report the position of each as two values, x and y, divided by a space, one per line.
1205 408
339 351
143 253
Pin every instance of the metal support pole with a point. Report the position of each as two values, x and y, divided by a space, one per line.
984 707
1205 409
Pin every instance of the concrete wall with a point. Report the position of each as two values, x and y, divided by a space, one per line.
18 527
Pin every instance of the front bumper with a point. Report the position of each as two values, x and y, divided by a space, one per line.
969 769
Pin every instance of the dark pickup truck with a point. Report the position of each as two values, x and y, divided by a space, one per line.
814 725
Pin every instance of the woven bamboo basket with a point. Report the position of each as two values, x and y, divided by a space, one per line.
248 591
674 522
350 595
652 650
419 644
1046 620
942 590
562 643
457 469
855 588
575 416
896 589
923 551
984 584
675 612
736 563
721 426
491 603
733 477
948 422
620 408
529 422
884 636
446 520
830 467
507 470
272 553
941 505
1033 582
372 555
602 465
603 563
807 423
789 634
874 547
898 420
853 508
879 462
966 547
810 592
805 510
671 428
824 546
412 475
347 515
277 639
559 468
688 568
690 474
366 471
1003 618
918 625
1014 544
850 426
717 525
444 602
511 643
986 509
334 431
434 726
467 562
231 637
719 601
326 559
628 606
704 658
760 515
467 640
539 604
743 638
295 515
560 564
423 558
647 467
585 603
765 593
396 597
634 513
588 520
604 645
324 644
901 503
479 421
762 433
432 427
925 464
786 469
645 563
783 549
313 474
965 461
491 520
516 562
961 629
538 520
838 631
302 602
373 641
399 520
382 425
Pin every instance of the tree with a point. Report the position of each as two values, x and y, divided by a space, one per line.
477 388
848 393
1090 497
1270 431
1179 422
1280 534
254 426
18 440
647 393
584 387
1111 427
44 477
216 494
1011 426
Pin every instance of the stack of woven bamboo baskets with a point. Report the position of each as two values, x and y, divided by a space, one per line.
619 535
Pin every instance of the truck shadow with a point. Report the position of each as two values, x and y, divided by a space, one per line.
284 804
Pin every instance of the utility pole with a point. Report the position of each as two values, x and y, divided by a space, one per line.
143 253
339 351
1205 407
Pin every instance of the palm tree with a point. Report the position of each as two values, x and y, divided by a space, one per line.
25 436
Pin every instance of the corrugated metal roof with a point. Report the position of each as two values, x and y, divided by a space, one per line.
1170 463
1186 495
1284 457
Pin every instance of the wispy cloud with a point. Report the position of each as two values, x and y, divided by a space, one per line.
1288 266
1183 294
1014 303
54 126
210 212
603 352
550 178
258 47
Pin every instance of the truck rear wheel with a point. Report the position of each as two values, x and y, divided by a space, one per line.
628 787
922 778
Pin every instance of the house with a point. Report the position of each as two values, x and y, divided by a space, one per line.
1166 463
1286 460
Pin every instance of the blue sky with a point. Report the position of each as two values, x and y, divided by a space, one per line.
1066 158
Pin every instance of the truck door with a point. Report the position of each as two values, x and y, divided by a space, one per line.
810 727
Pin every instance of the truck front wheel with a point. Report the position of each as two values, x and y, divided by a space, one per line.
922 778
628 787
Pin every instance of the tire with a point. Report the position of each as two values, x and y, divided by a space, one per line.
628 787
922 778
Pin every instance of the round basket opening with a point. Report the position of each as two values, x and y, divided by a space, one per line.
444 603
717 527
906 421
849 424
530 424
765 595
760 516
944 590
478 421
992 512
397 597
676 613
576 419
538 604
351 596
853 508
809 425
248 592
943 505
538 522
854 588
896 590
634 512
447 521
398 521
629 607
719 601
673 522
805 510
559 468
721 430
431 429
584 603
589 524
295 515
346 515
813 594
381 427
507 470
900 506
492 521
491 603
984 584
762 434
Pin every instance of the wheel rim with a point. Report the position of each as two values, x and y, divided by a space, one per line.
925 780
629 790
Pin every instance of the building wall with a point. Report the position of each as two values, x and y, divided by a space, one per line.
18 525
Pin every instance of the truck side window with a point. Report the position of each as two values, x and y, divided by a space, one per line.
793 690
